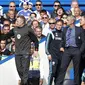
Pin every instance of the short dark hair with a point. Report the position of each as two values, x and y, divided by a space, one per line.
22 17
43 11
39 1
59 21
34 14
6 20
56 1
6 25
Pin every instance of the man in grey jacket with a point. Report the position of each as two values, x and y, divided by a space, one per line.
23 37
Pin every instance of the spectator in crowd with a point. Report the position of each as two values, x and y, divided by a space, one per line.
1 17
23 37
6 29
42 13
77 14
53 51
42 41
74 5
1 11
25 11
12 6
50 28
72 45
59 13
4 51
56 5
38 32
38 6
11 17
1 20
11 45
35 76
45 25
30 6
64 18
31 18
5 22
35 24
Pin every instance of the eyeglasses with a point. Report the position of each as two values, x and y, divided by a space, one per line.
51 22
56 5
38 4
44 17
12 6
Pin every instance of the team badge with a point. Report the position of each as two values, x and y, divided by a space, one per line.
18 36
79 37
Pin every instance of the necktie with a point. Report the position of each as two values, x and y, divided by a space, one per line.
68 37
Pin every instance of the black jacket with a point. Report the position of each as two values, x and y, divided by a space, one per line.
79 38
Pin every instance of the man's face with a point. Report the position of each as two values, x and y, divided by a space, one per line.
25 6
38 32
19 22
52 24
35 24
30 6
82 21
12 6
60 11
70 21
76 11
45 19
6 22
74 4
3 44
11 14
6 29
64 18
59 25
56 5
38 6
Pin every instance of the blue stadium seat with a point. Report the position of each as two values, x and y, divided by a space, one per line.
47 4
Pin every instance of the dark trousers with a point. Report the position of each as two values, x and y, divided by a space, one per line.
33 81
54 72
54 67
22 64
82 66
69 54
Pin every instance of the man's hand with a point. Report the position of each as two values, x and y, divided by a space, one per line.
62 49
49 57
35 53
41 81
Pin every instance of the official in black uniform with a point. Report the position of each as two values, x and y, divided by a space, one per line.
53 51
23 37
73 44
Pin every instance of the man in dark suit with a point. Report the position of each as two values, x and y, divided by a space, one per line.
73 44
82 63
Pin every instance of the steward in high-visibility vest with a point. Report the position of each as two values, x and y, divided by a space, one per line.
35 70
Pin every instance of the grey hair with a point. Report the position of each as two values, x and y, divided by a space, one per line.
71 17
